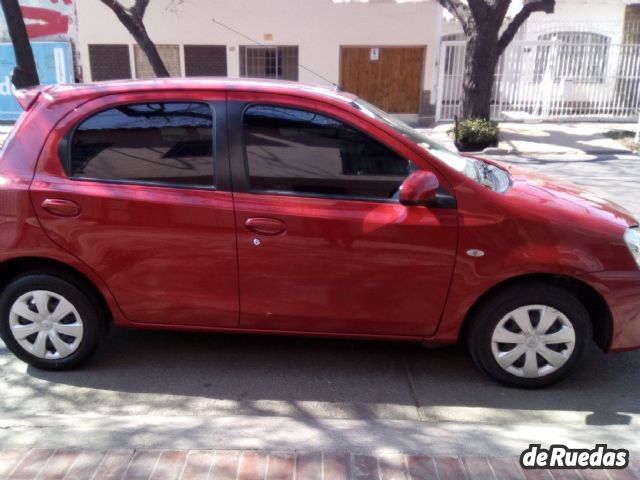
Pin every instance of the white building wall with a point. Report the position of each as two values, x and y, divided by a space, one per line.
317 27
605 17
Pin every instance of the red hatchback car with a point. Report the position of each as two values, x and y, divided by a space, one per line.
267 207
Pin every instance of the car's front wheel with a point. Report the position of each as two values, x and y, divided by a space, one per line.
529 335
49 322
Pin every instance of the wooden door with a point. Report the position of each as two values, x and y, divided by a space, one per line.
390 78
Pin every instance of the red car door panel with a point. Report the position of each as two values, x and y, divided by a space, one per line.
344 266
167 254
311 262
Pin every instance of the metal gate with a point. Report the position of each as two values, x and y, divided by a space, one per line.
572 77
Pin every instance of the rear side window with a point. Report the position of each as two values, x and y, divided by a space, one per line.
169 143
298 151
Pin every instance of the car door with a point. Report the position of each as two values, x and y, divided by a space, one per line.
139 190
323 245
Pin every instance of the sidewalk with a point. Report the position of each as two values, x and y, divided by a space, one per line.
249 465
546 138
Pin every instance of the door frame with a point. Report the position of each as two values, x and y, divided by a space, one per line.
51 173
239 101
217 101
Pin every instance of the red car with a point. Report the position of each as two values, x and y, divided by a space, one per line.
268 207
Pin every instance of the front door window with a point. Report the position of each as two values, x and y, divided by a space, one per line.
300 152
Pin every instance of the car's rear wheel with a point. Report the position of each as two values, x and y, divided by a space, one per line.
49 322
529 335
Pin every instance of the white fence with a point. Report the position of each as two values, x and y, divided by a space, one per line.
579 76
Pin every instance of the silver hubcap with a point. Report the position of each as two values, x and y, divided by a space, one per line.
46 324
533 341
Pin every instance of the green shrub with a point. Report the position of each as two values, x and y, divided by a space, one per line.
477 130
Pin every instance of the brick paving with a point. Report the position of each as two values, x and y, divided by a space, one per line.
74 464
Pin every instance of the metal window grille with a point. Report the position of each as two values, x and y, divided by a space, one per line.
205 60
170 55
578 56
109 62
279 62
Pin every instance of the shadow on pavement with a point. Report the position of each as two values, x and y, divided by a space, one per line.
167 373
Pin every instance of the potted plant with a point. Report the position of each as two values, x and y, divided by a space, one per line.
476 134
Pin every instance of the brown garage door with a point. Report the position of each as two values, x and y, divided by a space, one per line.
388 77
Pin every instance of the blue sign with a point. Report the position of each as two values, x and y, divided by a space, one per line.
53 60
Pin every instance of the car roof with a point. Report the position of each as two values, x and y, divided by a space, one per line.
62 92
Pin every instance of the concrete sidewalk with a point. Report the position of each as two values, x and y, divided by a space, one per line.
546 138
249 465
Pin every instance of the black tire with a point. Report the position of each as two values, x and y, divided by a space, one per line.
92 316
489 314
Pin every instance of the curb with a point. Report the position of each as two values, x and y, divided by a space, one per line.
503 151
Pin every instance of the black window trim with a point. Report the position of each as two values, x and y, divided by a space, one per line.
65 145
287 193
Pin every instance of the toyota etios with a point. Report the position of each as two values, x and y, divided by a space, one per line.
268 207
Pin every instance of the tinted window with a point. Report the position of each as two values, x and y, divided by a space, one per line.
299 151
152 142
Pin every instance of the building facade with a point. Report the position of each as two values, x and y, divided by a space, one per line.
385 51
406 56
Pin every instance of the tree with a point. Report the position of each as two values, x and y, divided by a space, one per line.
131 18
481 21
25 73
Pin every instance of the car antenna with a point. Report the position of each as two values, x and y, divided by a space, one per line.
254 41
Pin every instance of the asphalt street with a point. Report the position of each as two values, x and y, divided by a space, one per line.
150 389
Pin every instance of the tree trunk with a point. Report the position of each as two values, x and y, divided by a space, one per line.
481 60
25 73
138 31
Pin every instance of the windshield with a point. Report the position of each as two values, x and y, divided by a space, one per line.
468 167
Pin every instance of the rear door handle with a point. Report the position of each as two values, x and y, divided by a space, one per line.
266 226
61 207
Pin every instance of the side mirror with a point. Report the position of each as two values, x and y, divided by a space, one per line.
419 188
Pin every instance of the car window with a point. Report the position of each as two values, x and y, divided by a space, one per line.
168 143
298 151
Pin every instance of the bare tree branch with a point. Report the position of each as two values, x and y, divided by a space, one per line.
500 8
481 10
547 6
131 19
121 12
460 10
139 8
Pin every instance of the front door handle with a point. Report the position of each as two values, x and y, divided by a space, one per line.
61 207
266 226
